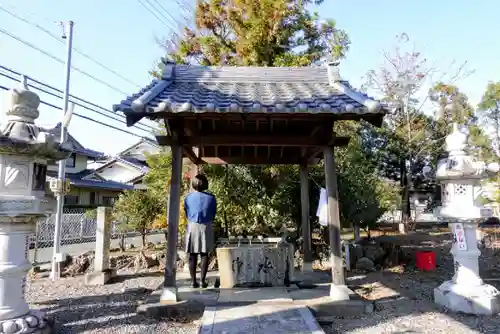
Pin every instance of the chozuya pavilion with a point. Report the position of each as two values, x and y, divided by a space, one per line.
253 115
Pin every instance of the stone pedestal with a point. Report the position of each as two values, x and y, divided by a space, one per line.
15 314
102 272
466 292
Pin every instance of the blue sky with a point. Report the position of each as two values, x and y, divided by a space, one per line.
121 34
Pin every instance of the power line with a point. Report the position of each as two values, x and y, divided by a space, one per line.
48 32
85 117
165 11
156 15
60 60
76 103
18 75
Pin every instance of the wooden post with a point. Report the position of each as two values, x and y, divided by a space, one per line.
306 226
169 285
338 289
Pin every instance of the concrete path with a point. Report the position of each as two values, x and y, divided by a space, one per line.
44 255
264 310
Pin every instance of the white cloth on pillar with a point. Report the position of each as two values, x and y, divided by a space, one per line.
322 212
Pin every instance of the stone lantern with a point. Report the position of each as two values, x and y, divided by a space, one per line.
460 176
25 150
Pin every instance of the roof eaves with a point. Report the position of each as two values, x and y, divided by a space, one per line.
119 159
137 109
372 106
142 140
130 163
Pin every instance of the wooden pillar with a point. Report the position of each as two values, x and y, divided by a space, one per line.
338 289
306 226
169 285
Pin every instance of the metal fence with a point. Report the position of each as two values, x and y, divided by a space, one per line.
77 227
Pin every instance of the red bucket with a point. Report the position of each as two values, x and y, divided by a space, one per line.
426 261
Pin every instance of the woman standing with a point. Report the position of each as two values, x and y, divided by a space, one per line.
200 208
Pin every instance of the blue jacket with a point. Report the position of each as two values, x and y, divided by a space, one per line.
200 207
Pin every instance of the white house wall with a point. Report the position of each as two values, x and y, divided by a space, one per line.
84 195
119 172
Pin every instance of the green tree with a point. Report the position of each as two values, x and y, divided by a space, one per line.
489 112
453 107
365 195
136 210
258 33
157 182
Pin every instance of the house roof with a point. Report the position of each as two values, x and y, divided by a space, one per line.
132 162
80 180
186 89
141 141
78 148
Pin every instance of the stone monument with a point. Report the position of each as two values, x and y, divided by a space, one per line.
25 150
460 176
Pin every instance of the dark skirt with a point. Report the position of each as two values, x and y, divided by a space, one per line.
199 238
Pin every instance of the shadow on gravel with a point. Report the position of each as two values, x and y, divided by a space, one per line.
122 278
414 291
75 315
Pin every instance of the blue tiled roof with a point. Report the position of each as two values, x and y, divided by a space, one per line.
77 179
78 148
198 89
89 153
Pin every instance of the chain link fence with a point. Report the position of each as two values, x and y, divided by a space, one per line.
77 227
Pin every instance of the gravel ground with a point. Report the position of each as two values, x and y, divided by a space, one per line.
77 308
416 312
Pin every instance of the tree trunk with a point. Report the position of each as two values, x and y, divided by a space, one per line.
357 233
405 199
122 242
165 233
143 237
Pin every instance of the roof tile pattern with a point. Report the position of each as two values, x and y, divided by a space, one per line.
249 89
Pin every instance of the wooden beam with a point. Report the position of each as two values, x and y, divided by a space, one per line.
169 283
189 152
375 119
249 140
306 226
336 142
338 278
252 160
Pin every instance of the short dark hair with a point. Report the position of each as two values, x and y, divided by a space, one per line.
199 182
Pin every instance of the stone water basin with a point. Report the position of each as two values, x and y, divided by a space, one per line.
255 265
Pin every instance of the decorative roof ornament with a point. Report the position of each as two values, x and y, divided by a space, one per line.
20 135
459 164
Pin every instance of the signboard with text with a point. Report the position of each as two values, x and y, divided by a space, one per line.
459 236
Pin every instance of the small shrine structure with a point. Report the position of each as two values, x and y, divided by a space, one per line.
460 175
253 115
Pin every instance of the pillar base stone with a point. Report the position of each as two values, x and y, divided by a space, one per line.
481 299
339 292
307 267
99 277
34 322
169 295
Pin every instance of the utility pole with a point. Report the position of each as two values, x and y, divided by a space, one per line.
61 175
